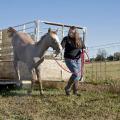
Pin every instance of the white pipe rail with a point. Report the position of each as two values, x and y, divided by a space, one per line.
36 28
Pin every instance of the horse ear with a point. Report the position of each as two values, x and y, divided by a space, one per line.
11 29
57 30
49 30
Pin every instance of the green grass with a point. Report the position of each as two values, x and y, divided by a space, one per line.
103 72
54 105
98 101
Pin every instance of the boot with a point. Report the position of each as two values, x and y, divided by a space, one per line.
75 87
68 86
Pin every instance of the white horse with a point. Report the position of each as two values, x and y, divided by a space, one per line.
31 53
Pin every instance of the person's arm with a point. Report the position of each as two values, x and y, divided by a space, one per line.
63 42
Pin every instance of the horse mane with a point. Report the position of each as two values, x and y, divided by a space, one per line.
41 38
44 36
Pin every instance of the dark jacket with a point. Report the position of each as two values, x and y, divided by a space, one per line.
71 51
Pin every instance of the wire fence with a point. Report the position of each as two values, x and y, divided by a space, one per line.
105 63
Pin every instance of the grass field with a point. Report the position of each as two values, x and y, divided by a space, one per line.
99 100
102 72
54 105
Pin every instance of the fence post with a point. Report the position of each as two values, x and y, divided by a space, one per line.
119 70
62 38
105 71
84 38
37 30
61 72
0 40
24 28
100 77
96 71
92 69
0 36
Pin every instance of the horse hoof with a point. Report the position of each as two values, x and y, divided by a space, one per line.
41 93
19 85
29 92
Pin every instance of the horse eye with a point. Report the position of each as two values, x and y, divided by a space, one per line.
55 41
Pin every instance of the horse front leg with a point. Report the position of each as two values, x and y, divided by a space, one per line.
33 79
39 80
17 71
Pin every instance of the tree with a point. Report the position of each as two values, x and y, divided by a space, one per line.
101 55
117 56
110 58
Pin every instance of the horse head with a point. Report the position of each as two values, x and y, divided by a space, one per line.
54 41
11 31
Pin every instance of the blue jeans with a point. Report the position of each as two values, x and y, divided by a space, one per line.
74 66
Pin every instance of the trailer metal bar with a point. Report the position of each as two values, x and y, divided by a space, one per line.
61 24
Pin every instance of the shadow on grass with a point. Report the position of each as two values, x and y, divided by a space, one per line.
7 91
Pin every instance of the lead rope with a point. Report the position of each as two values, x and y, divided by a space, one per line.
82 63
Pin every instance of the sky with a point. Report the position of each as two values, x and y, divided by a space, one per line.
101 17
